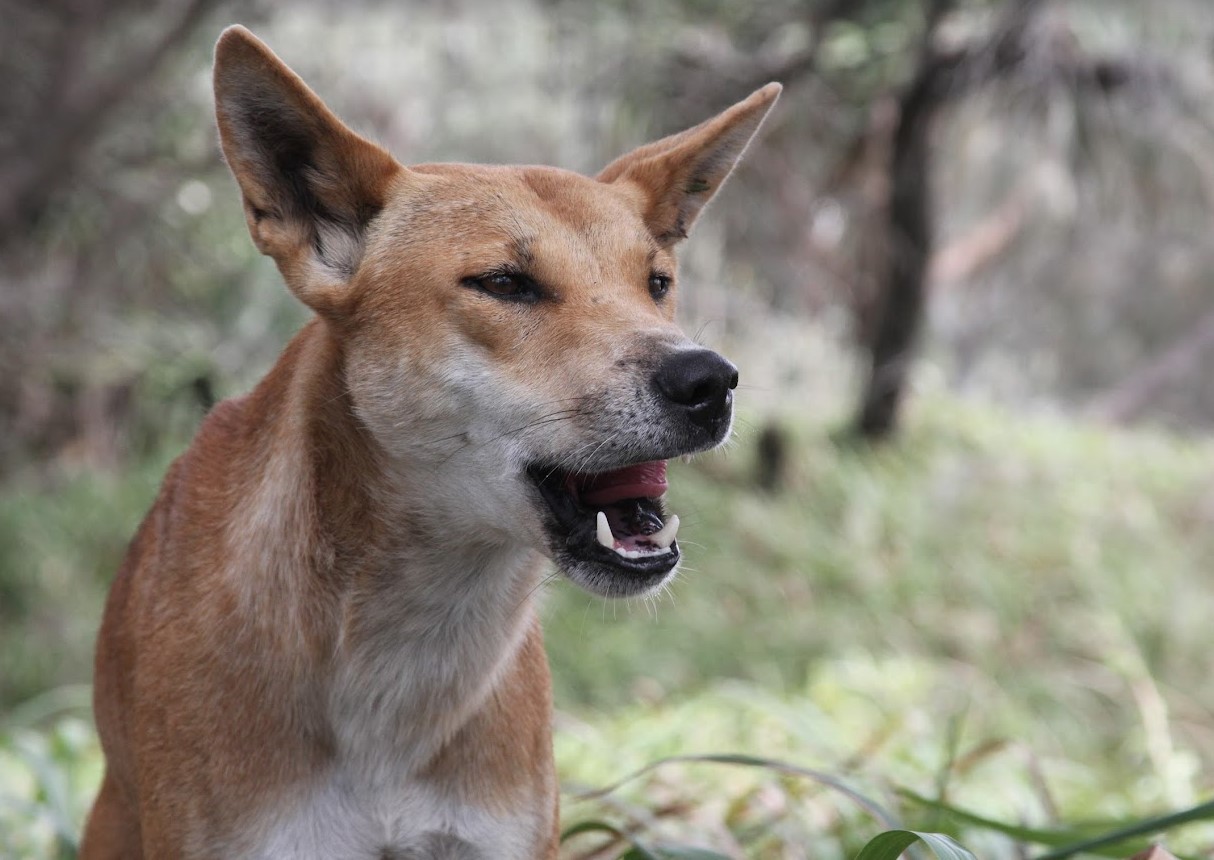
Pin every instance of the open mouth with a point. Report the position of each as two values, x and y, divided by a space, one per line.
609 530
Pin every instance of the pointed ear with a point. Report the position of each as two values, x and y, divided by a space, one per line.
677 175
310 184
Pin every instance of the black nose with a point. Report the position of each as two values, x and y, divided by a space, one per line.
699 381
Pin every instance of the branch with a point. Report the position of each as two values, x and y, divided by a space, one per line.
1137 391
65 138
981 244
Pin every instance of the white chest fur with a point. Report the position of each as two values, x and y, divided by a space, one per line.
343 818
412 671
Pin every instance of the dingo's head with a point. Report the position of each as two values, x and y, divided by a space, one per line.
508 332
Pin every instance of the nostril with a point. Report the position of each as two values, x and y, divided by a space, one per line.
733 380
706 392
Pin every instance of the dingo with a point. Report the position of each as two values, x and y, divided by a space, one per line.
323 641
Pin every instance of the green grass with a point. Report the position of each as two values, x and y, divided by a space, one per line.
1003 615
62 537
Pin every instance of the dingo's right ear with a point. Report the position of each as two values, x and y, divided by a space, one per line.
678 175
310 184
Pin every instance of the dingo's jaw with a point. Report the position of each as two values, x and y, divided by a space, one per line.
618 548
607 527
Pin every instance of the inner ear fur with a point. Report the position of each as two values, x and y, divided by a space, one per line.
310 184
678 175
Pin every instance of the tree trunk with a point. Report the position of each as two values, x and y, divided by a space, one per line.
909 248
940 78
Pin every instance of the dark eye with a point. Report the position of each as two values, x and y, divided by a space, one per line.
506 285
659 285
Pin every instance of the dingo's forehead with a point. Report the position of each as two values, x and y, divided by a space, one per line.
542 216
577 201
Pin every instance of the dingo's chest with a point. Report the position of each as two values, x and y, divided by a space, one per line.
341 818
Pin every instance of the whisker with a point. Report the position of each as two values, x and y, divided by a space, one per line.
700 331
567 411
550 418
577 459
590 456
544 581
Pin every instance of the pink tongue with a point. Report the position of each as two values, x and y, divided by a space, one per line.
646 481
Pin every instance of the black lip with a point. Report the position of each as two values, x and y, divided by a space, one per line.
571 532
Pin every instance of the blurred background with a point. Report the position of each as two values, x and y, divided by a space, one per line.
960 554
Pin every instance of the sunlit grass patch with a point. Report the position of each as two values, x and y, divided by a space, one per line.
50 767
880 744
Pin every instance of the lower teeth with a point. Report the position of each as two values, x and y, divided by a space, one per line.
638 553
657 543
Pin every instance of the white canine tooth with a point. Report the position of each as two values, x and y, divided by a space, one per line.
665 537
603 531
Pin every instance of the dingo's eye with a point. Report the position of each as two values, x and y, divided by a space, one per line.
659 285
506 285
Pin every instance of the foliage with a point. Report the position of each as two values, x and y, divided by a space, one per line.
50 767
132 281
62 536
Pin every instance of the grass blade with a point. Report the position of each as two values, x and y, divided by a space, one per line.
1036 836
638 851
1145 827
673 852
892 843
1066 843
875 809
593 827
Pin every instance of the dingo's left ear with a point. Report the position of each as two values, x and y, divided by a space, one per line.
679 174
310 184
